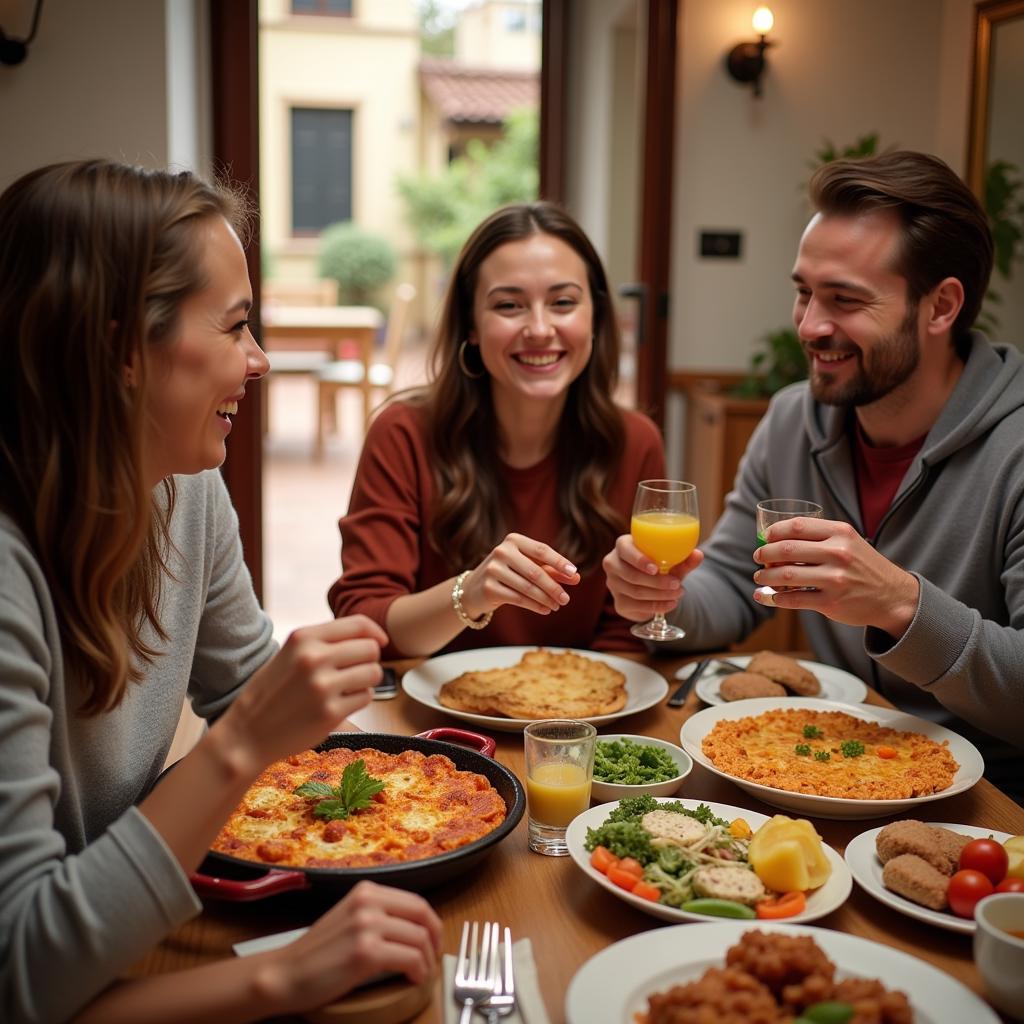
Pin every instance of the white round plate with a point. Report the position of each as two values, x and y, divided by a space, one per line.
866 868
966 753
836 684
820 902
644 686
613 985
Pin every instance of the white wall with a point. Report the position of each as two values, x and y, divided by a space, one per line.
95 83
840 70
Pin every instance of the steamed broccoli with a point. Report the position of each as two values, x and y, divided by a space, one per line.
623 838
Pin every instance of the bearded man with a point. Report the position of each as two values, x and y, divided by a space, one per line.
910 433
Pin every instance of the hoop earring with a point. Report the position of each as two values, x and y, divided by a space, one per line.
463 366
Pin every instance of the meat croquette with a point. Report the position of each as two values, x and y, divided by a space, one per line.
786 671
742 685
917 880
910 836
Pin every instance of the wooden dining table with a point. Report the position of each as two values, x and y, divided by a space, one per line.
569 918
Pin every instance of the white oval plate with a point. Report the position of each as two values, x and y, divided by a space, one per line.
820 902
613 985
836 684
644 686
866 868
966 753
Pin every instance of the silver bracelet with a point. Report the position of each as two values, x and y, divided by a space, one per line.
460 611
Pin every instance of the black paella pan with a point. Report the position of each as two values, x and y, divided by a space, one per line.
224 877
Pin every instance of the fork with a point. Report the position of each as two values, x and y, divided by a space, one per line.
475 971
502 1000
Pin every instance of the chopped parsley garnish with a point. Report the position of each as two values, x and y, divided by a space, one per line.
822 755
803 749
812 732
852 748
355 792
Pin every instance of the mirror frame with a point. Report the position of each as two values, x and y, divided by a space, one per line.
987 14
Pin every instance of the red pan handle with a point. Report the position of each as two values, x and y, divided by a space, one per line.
483 744
270 884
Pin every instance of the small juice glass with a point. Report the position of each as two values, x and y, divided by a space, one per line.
559 770
774 510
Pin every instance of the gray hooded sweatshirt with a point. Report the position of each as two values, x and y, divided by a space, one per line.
956 522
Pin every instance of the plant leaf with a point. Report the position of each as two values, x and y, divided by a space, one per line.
357 787
314 788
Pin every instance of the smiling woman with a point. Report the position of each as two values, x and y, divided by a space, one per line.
488 498
124 351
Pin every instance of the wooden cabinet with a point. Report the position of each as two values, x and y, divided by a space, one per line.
718 427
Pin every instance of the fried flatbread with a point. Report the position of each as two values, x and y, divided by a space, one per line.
543 684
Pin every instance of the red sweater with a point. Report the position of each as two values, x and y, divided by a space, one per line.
386 552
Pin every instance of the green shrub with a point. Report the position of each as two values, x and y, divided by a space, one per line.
359 261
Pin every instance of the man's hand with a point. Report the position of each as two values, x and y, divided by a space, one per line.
637 586
852 582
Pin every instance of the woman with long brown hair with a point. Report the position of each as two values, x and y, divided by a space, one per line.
124 352
486 500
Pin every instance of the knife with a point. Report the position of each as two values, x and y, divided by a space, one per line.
678 699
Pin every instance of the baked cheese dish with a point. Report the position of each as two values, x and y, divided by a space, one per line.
426 807
830 753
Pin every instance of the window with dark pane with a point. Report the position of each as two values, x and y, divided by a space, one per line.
339 7
321 168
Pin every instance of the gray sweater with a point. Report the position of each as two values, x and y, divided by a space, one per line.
956 522
86 885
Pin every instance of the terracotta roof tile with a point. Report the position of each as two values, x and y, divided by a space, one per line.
462 93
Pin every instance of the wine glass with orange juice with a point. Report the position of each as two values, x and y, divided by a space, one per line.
665 527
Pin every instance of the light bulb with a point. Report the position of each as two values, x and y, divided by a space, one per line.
763 20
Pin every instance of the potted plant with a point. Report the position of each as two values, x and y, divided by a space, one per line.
358 260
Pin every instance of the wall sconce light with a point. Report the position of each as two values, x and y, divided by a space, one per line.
13 51
745 61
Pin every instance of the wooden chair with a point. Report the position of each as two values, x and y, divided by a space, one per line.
351 373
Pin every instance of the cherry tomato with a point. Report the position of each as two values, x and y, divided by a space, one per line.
653 893
789 904
602 858
627 881
965 889
631 866
986 856
1011 885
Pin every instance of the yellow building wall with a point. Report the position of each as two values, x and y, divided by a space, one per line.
366 63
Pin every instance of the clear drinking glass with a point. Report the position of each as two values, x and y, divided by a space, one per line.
559 770
774 510
665 527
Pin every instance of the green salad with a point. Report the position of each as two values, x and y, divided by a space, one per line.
690 859
628 763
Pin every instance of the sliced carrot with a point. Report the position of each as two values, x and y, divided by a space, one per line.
633 866
602 859
789 904
647 891
623 879
887 752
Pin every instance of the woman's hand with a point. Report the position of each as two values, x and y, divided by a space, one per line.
372 930
636 585
522 572
321 675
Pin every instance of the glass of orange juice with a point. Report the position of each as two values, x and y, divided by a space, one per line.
559 770
665 527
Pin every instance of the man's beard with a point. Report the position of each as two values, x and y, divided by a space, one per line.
890 362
